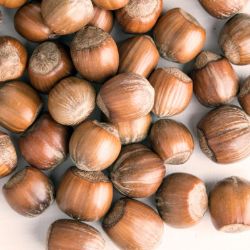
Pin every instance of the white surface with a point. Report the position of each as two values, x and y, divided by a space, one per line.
20 233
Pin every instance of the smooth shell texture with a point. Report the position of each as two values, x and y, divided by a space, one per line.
170 83
182 200
95 54
138 172
244 96
234 39
102 19
19 106
67 16
71 101
139 16
215 81
84 195
229 204
134 130
12 3
224 134
126 97
133 225
8 156
94 146
223 8
178 36
45 144
13 58
29 23
172 141
111 4
49 63
29 192
138 55
73 235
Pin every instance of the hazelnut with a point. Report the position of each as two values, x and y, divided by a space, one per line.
244 96
182 200
84 195
111 4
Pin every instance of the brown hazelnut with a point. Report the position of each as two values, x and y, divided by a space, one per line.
133 225
126 97
224 134
102 19
229 203
234 39
66 17
95 54
138 55
8 156
71 101
182 200
179 36
138 172
70 234
172 141
223 8
84 195
244 96
94 146
111 4
45 144
13 58
12 3
168 84
29 192
139 16
49 63
215 81
134 130
19 106
29 23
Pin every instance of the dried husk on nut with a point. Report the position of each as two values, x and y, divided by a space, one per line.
215 81
138 55
84 195
234 39
224 134
94 145
229 203
179 36
126 97
133 225
139 16
244 96
172 141
138 172
8 156
223 8
70 234
169 83
182 200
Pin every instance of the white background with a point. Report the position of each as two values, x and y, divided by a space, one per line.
20 233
